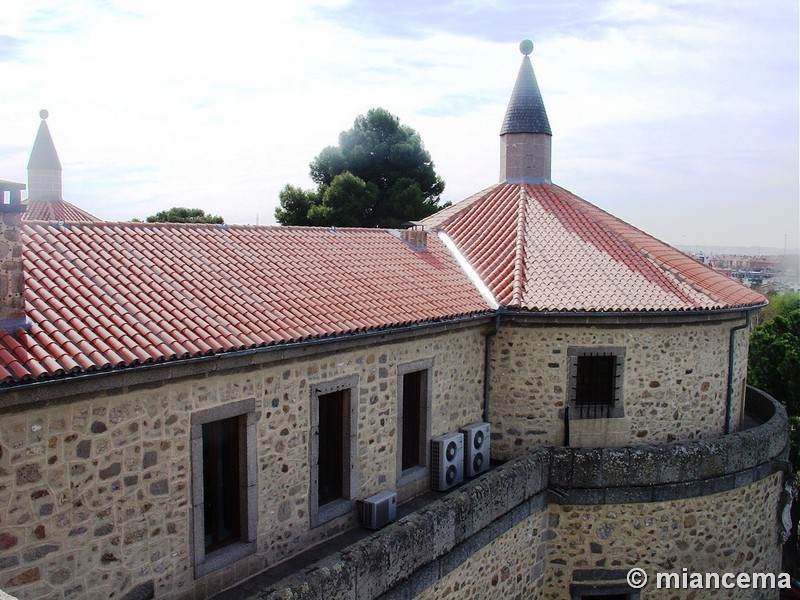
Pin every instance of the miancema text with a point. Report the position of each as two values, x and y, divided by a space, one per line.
714 581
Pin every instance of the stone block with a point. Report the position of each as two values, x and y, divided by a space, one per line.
441 521
676 491
486 501
587 468
561 467
329 580
629 495
417 583
142 591
643 465
371 560
410 546
615 467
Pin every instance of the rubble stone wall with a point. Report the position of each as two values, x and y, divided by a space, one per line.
675 382
544 522
95 493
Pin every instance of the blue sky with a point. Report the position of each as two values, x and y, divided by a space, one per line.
679 117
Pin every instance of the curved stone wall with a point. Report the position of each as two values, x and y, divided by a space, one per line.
533 522
674 382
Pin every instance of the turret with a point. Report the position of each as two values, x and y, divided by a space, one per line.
525 150
44 168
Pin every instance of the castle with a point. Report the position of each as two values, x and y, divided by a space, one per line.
186 407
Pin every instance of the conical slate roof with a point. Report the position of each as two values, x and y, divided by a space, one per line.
525 112
44 155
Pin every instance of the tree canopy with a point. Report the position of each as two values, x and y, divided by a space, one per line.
774 364
178 214
380 175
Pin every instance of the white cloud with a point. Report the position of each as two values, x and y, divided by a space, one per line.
656 104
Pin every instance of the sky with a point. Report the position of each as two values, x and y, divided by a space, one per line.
678 116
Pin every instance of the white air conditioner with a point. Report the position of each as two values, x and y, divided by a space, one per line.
447 460
378 510
476 448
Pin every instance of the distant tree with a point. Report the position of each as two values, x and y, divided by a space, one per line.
781 304
179 214
774 361
380 175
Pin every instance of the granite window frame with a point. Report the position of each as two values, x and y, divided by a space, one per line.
594 591
244 412
419 471
610 410
600 584
321 514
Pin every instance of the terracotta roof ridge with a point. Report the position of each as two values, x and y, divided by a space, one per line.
235 226
519 248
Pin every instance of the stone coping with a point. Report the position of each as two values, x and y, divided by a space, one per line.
411 554
676 462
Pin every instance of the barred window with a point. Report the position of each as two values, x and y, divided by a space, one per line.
595 382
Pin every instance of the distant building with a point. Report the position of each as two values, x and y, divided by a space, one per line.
184 407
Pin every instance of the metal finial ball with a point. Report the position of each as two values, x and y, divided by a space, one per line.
44 114
526 47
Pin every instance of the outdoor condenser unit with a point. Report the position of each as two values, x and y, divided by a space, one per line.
476 448
447 460
378 510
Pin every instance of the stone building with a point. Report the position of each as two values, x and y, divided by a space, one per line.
186 407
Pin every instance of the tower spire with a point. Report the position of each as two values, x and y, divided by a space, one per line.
525 137
44 168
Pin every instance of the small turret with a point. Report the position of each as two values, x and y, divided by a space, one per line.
525 138
44 168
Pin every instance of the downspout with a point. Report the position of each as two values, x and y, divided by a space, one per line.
487 366
731 345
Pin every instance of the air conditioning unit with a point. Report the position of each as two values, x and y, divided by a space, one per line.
476 448
378 510
447 460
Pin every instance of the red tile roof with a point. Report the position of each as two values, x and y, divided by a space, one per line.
55 210
541 248
109 295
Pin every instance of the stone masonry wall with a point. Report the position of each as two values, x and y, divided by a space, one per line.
593 543
95 493
508 567
557 517
12 301
674 388
730 532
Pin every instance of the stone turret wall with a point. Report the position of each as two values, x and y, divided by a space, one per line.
45 184
674 385
525 157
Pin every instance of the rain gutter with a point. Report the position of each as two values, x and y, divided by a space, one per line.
731 357
52 389
487 366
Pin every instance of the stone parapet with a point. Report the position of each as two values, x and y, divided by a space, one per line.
702 462
411 555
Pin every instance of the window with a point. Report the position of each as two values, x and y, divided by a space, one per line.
413 420
601 584
331 446
595 382
413 390
603 596
220 483
332 449
224 514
